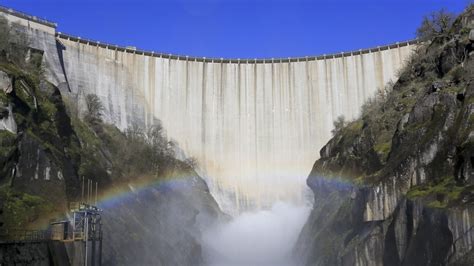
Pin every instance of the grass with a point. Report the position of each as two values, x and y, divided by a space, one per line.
383 148
20 210
43 143
11 69
470 100
351 131
7 143
3 97
355 126
454 90
48 108
86 134
439 194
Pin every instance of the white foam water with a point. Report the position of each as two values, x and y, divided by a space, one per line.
263 238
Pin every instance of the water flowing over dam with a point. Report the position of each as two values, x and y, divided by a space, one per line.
254 126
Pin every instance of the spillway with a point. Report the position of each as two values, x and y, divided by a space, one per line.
254 126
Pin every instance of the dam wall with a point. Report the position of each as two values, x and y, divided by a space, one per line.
255 126
42 36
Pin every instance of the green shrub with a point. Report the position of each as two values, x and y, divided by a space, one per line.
7 143
338 124
3 98
383 147
457 74
440 193
21 210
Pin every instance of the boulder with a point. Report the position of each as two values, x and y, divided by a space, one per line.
7 122
5 82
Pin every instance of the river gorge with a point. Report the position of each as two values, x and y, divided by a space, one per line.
253 129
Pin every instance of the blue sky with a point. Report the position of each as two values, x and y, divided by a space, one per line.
239 28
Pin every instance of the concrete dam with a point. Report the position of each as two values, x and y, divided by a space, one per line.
255 126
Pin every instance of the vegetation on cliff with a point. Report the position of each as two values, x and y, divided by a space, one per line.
430 104
396 186
54 147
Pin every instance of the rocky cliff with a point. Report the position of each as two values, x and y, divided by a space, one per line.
45 151
159 225
395 187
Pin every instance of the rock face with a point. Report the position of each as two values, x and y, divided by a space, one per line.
34 253
7 122
5 82
37 155
413 234
395 186
159 225
40 167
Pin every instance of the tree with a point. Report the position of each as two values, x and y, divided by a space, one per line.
156 136
94 109
191 162
339 123
435 24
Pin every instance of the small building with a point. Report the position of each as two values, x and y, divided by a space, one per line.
61 230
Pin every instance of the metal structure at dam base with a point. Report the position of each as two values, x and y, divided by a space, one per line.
255 126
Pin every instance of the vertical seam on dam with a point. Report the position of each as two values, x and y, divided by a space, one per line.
187 88
310 95
255 115
204 110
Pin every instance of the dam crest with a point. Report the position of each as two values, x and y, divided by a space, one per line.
255 126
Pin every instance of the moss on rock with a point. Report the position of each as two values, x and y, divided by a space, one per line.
22 210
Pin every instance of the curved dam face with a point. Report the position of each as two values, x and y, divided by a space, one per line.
254 126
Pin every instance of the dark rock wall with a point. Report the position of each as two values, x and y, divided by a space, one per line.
400 193
33 253
336 233
40 165
160 224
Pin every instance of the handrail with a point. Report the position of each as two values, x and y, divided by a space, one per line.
83 206
133 50
27 17
17 235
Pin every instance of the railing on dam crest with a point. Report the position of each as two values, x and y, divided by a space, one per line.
133 50
25 16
